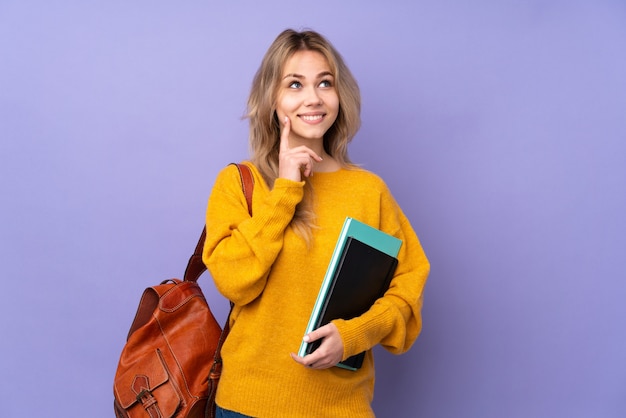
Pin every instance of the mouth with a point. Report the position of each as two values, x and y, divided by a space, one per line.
312 118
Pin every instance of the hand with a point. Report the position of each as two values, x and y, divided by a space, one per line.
293 163
328 354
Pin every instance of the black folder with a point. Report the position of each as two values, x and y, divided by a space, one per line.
362 276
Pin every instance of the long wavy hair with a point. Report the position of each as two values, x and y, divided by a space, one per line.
264 124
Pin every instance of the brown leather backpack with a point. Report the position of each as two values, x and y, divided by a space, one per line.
170 365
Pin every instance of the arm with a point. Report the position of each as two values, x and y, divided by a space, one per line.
394 320
239 250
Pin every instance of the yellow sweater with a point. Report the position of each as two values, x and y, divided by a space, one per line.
261 265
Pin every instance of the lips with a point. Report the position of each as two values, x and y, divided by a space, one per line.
312 118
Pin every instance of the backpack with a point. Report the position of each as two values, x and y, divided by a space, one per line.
171 364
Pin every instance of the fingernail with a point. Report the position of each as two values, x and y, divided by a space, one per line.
305 338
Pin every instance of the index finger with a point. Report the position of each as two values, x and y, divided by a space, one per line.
284 135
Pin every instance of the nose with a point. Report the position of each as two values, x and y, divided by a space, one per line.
313 97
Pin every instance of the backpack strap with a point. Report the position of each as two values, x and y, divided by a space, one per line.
195 266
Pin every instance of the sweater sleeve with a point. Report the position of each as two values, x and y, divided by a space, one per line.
395 319
240 249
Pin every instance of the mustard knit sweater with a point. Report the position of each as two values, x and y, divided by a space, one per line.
273 278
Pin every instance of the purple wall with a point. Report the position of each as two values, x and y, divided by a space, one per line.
500 127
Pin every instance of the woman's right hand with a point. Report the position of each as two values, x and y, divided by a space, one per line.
293 163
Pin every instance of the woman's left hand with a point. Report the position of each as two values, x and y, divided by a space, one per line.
328 354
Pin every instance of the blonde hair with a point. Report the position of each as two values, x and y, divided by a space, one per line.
264 124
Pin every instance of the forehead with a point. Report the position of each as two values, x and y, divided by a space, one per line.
306 63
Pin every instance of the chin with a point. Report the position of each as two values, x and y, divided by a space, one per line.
317 132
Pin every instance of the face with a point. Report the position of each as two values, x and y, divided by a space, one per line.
307 96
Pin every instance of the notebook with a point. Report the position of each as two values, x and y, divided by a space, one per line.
359 272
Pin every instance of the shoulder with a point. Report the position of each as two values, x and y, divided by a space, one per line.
367 183
229 177
365 178
231 173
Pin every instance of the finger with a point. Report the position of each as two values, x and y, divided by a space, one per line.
313 362
284 135
305 155
304 361
312 154
307 169
316 334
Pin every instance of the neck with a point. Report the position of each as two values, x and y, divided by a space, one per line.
316 145
327 164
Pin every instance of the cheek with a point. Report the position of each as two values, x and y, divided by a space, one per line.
332 102
285 105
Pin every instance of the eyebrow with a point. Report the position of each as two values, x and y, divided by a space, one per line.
320 75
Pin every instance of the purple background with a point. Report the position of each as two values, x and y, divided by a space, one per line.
500 126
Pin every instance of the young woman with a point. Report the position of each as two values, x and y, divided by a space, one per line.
304 108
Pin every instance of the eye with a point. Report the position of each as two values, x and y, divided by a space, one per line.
295 85
326 83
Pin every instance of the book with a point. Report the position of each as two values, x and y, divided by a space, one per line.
359 272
